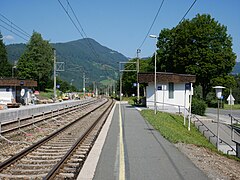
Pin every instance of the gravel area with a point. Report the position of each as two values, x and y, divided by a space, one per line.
31 135
215 166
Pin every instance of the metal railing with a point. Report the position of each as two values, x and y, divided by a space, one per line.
234 128
206 129
211 132
162 105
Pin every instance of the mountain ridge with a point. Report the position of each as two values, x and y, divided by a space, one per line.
98 62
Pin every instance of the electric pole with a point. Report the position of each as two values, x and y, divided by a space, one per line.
84 84
54 75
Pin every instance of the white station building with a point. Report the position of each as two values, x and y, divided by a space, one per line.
14 91
172 90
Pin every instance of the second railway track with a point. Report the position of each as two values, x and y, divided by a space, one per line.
60 155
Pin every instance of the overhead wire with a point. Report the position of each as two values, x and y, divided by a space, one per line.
13 28
159 9
82 28
83 33
187 11
71 19
157 16
20 30
79 24
13 32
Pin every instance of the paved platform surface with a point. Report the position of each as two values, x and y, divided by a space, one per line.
146 154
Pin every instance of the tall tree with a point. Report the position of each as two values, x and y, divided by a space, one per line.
200 46
5 70
36 62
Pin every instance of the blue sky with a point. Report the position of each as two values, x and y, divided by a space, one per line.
120 25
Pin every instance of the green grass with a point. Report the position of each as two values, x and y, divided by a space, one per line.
129 100
235 106
47 94
171 127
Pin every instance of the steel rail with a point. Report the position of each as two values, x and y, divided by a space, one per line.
58 166
40 120
31 148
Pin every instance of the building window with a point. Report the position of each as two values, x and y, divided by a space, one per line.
171 90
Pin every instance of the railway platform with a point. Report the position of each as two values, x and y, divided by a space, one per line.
11 114
133 150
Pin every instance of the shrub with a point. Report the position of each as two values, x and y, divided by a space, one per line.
213 103
198 106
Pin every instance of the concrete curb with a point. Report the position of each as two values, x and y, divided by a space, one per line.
90 165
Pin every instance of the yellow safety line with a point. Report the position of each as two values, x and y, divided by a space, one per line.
121 147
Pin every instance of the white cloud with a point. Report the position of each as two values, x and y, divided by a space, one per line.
8 38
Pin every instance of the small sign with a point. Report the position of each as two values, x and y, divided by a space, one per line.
134 84
22 92
58 86
188 86
159 88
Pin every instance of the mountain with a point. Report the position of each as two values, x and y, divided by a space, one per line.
85 55
236 69
14 51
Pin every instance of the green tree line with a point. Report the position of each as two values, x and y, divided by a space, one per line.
200 46
35 63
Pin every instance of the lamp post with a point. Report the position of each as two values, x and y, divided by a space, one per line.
218 95
138 92
155 74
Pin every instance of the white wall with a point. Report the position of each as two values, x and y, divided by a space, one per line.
178 100
7 97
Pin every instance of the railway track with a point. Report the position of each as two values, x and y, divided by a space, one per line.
60 155
33 121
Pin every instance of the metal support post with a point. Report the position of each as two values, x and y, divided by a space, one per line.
84 84
54 75
155 74
33 120
138 88
120 75
218 126
120 86
155 82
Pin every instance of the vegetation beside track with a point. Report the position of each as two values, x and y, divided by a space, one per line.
48 93
235 106
171 127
